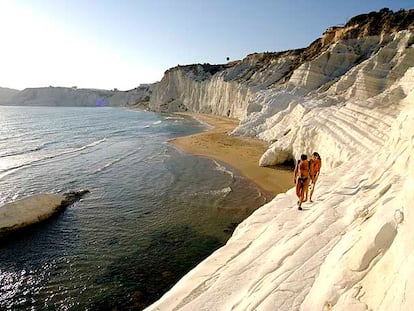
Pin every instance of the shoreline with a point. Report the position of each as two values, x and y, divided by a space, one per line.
240 153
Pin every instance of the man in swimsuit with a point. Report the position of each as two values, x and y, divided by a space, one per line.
301 178
314 169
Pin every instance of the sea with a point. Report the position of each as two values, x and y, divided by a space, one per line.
152 214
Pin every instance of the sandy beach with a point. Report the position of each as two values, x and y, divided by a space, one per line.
243 154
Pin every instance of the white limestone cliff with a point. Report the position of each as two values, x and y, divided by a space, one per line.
352 248
231 89
290 115
183 89
225 90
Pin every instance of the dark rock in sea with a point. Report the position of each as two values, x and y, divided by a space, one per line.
73 196
230 228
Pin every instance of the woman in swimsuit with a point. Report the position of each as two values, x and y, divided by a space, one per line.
315 167
301 178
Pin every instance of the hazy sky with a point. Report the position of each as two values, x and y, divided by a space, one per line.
120 44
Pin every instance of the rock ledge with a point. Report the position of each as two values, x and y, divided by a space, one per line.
34 209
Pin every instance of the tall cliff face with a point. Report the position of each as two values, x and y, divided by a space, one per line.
291 116
230 89
273 94
200 88
227 91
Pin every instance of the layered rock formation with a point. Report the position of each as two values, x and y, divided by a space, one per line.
230 89
350 97
287 121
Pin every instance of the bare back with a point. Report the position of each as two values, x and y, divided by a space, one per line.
303 169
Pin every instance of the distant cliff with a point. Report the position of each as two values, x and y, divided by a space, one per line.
6 94
61 96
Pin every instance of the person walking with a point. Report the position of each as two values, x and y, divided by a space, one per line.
314 169
301 178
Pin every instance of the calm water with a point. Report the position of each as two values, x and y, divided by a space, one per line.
153 212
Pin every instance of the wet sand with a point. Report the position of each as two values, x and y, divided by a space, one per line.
241 153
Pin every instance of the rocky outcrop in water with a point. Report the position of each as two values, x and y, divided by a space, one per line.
34 209
73 196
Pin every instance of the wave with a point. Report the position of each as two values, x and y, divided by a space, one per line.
223 169
9 196
120 132
35 134
8 172
157 122
19 152
109 164
156 157
219 192
92 144
204 123
13 137
24 151
13 169
224 191
174 118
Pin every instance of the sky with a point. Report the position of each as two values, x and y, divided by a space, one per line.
123 43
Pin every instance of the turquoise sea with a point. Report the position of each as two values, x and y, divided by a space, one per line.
153 212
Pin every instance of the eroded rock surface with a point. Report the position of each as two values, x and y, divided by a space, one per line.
34 209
